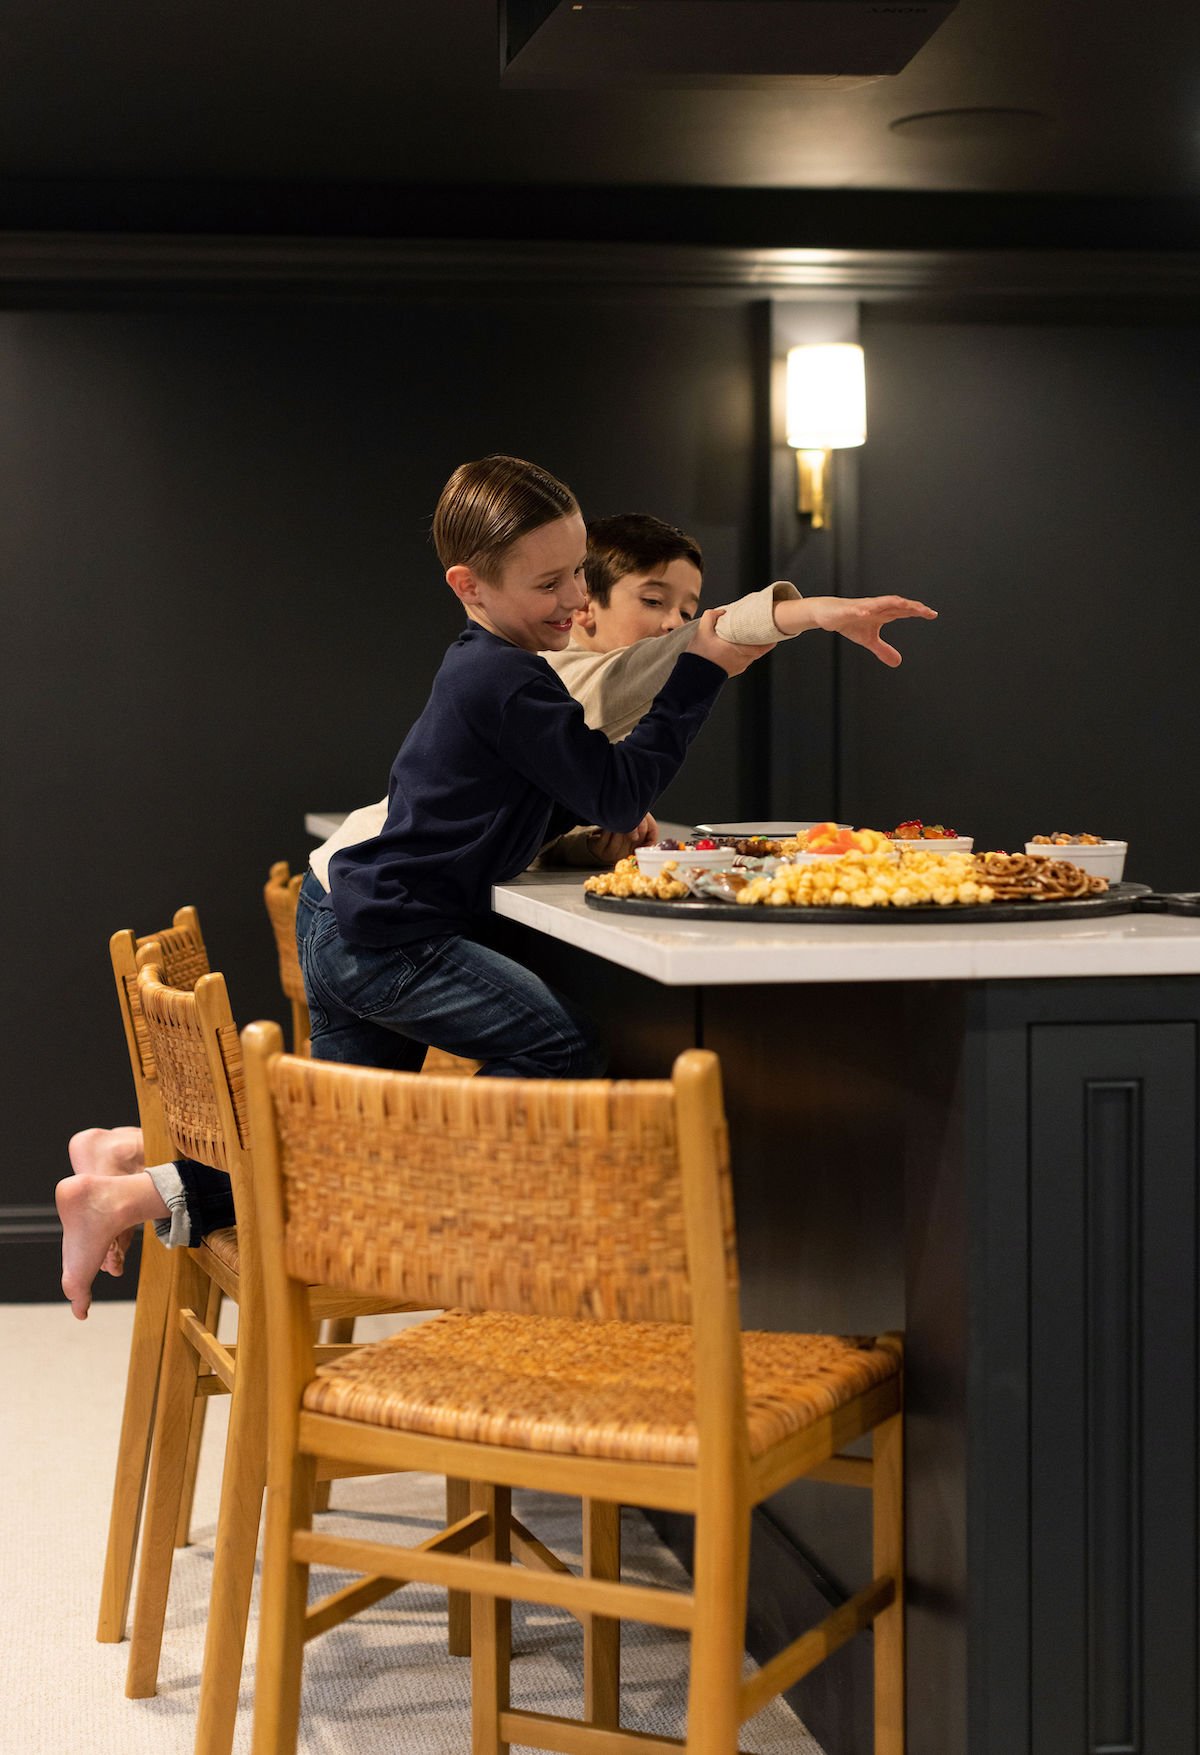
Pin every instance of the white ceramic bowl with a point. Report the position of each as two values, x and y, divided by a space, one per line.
1106 859
652 859
938 844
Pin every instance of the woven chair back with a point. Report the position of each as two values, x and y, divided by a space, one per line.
199 1060
280 893
541 1197
184 959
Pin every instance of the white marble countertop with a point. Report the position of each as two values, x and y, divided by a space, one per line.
712 953
703 953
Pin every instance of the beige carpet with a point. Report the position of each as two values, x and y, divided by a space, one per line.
382 1682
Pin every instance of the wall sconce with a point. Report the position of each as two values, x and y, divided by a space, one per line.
826 411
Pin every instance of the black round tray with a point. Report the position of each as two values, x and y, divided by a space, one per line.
1118 899
1172 902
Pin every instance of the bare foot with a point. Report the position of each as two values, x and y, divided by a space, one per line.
93 1210
108 1151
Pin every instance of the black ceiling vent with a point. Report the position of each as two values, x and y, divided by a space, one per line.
570 43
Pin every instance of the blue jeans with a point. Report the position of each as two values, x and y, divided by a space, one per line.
385 1006
209 1197
308 901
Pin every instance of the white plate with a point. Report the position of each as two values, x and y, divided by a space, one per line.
758 827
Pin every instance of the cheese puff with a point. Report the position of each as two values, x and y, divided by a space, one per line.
861 899
839 898
902 897
968 891
877 896
986 893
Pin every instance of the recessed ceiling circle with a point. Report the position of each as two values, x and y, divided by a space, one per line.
977 123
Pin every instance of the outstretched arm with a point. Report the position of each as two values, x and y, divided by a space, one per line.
860 619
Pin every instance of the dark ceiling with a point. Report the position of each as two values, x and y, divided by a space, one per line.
1053 98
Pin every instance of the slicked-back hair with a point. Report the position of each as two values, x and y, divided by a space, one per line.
633 542
488 505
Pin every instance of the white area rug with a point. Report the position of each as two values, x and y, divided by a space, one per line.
381 1683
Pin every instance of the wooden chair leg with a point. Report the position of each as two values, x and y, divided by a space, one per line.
721 1572
888 1560
338 1331
176 1392
458 1505
491 1628
183 1528
137 1431
242 1484
279 1667
601 1634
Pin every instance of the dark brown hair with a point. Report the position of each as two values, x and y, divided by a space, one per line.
633 542
488 505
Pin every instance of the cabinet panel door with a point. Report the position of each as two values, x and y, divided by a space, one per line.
1112 1410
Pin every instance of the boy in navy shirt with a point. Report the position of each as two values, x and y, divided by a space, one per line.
499 762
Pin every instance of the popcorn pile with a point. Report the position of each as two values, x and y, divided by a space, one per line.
872 880
627 879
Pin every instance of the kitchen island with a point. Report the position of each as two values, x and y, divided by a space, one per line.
984 1134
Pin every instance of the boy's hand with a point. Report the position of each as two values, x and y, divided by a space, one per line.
861 618
607 846
733 659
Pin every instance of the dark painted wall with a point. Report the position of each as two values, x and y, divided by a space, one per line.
1037 484
222 610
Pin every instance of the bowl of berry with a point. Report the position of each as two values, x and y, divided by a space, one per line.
705 852
913 834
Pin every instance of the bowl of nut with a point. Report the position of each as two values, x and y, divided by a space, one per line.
1091 853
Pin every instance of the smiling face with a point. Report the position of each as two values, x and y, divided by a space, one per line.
641 606
532 600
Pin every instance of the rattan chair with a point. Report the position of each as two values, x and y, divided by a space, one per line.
195 1046
280 893
589 1226
184 961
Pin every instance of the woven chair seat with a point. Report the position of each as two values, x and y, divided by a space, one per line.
620 1390
224 1245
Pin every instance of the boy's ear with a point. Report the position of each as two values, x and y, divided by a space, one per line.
585 618
464 583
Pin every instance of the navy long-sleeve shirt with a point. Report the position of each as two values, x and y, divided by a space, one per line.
499 761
